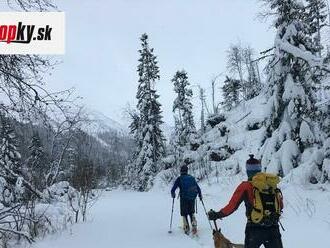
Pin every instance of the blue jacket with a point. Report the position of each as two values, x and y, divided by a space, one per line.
188 186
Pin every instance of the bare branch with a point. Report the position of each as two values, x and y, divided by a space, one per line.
19 233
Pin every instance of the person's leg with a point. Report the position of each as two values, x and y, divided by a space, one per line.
182 207
193 220
186 227
193 223
191 210
274 239
184 213
253 237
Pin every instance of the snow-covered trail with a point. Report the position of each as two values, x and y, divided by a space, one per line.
126 220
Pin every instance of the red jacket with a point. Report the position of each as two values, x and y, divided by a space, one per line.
244 192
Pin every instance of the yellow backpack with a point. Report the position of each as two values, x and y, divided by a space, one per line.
267 197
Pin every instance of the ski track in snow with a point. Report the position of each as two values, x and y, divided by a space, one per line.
123 219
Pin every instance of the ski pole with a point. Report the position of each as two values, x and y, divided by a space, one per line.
170 231
281 225
216 226
206 213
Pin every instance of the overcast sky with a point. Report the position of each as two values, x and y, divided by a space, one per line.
102 39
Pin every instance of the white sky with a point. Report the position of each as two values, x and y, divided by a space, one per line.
103 39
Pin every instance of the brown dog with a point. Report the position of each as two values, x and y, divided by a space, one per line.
221 241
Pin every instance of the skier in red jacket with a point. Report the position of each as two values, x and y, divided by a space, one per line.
255 234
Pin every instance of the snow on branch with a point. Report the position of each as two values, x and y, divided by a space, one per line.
311 59
28 185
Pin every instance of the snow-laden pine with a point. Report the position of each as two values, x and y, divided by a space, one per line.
184 129
146 126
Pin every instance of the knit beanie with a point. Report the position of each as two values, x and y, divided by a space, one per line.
253 166
184 169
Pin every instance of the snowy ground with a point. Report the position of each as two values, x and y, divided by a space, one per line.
123 219
131 219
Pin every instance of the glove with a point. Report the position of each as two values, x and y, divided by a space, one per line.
173 195
214 215
200 196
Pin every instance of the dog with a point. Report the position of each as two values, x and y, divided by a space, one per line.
220 241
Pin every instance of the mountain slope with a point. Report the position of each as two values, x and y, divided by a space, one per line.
100 123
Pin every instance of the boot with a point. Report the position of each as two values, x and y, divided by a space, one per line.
186 227
193 224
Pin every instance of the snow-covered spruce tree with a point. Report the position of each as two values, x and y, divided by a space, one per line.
230 92
182 108
316 16
9 164
292 80
176 147
35 166
135 129
147 127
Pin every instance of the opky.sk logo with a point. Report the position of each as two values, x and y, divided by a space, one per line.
32 33
21 33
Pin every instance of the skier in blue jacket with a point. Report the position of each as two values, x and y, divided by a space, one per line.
189 190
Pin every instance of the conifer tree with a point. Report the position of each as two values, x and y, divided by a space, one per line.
147 126
175 143
135 129
9 162
10 156
315 18
182 108
35 161
292 81
230 91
